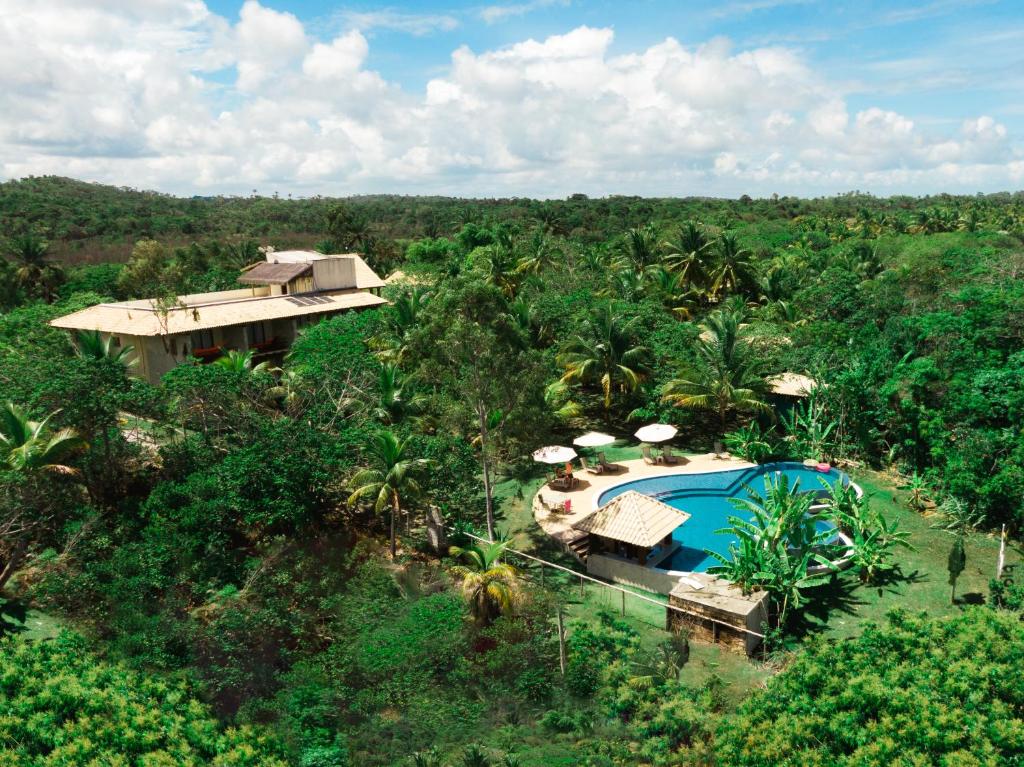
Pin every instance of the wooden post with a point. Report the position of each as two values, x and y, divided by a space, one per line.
561 642
1001 561
581 588
623 603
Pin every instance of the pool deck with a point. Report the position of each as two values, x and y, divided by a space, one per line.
584 496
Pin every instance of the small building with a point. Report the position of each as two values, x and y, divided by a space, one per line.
289 291
792 385
716 611
628 537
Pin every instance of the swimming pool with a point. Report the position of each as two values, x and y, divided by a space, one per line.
706 498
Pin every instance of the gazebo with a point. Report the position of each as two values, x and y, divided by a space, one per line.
631 526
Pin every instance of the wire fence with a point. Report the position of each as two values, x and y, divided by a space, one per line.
649 608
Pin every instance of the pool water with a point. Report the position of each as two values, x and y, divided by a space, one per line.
705 497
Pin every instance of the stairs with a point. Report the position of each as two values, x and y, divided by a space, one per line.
579 547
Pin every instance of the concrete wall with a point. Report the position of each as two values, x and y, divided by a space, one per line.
334 274
619 570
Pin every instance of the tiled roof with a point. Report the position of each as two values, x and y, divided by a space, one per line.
633 518
274 274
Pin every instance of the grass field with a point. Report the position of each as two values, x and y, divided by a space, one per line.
838 609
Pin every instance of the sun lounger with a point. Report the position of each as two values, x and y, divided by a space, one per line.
607 466
645 451
667 457
597 469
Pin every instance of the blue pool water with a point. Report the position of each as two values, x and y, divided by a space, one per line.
706 498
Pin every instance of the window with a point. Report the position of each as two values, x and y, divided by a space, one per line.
256 333
203 339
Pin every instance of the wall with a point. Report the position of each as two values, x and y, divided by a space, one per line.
613 568
334 273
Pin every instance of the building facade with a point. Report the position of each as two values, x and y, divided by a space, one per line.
287 292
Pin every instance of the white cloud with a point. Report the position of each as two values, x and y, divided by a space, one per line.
492 14
147 95
341 58
411 23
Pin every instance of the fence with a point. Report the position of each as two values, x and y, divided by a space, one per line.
611 592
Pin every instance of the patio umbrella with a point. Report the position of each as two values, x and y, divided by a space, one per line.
656 432
593 439
553 454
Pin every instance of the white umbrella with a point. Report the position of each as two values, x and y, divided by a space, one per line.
593 439
554 454
656 432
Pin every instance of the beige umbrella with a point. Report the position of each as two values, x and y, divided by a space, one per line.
656 432
593 439
553 454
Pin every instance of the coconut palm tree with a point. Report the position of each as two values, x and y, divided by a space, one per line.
240 362
606 352
686 253
36 273
641 247
491 587
90 344
671 289
239 255
390 479
541 252
726 375
394 400
29 445
731 268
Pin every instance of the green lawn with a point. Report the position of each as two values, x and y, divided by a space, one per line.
838 609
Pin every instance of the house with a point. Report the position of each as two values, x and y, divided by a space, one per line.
287 292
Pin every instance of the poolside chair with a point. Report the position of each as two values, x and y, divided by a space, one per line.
645 451
607 466
551 508
667 457
720 452
598 469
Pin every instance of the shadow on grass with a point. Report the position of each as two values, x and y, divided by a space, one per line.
12 616
971 598
839 595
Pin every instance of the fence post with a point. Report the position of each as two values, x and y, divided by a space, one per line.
582 595
561 642
623 603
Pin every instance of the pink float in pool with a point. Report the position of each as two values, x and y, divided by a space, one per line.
824 468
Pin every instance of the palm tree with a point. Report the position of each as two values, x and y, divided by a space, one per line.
731 269
541 253
606 352
641 244
726 376
28 445
239 255
686 253
90 345
240 362
491 587
394 401
390 479
35 272
671 289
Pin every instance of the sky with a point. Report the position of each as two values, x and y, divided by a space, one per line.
538 98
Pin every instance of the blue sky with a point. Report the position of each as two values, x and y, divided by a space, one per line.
532 97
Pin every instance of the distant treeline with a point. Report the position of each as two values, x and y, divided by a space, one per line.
90 223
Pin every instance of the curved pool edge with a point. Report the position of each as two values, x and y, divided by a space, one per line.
836 565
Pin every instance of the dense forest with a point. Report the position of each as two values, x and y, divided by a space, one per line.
232 568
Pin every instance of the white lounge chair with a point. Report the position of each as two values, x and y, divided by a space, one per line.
645 451
667 456
608 466
598 469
